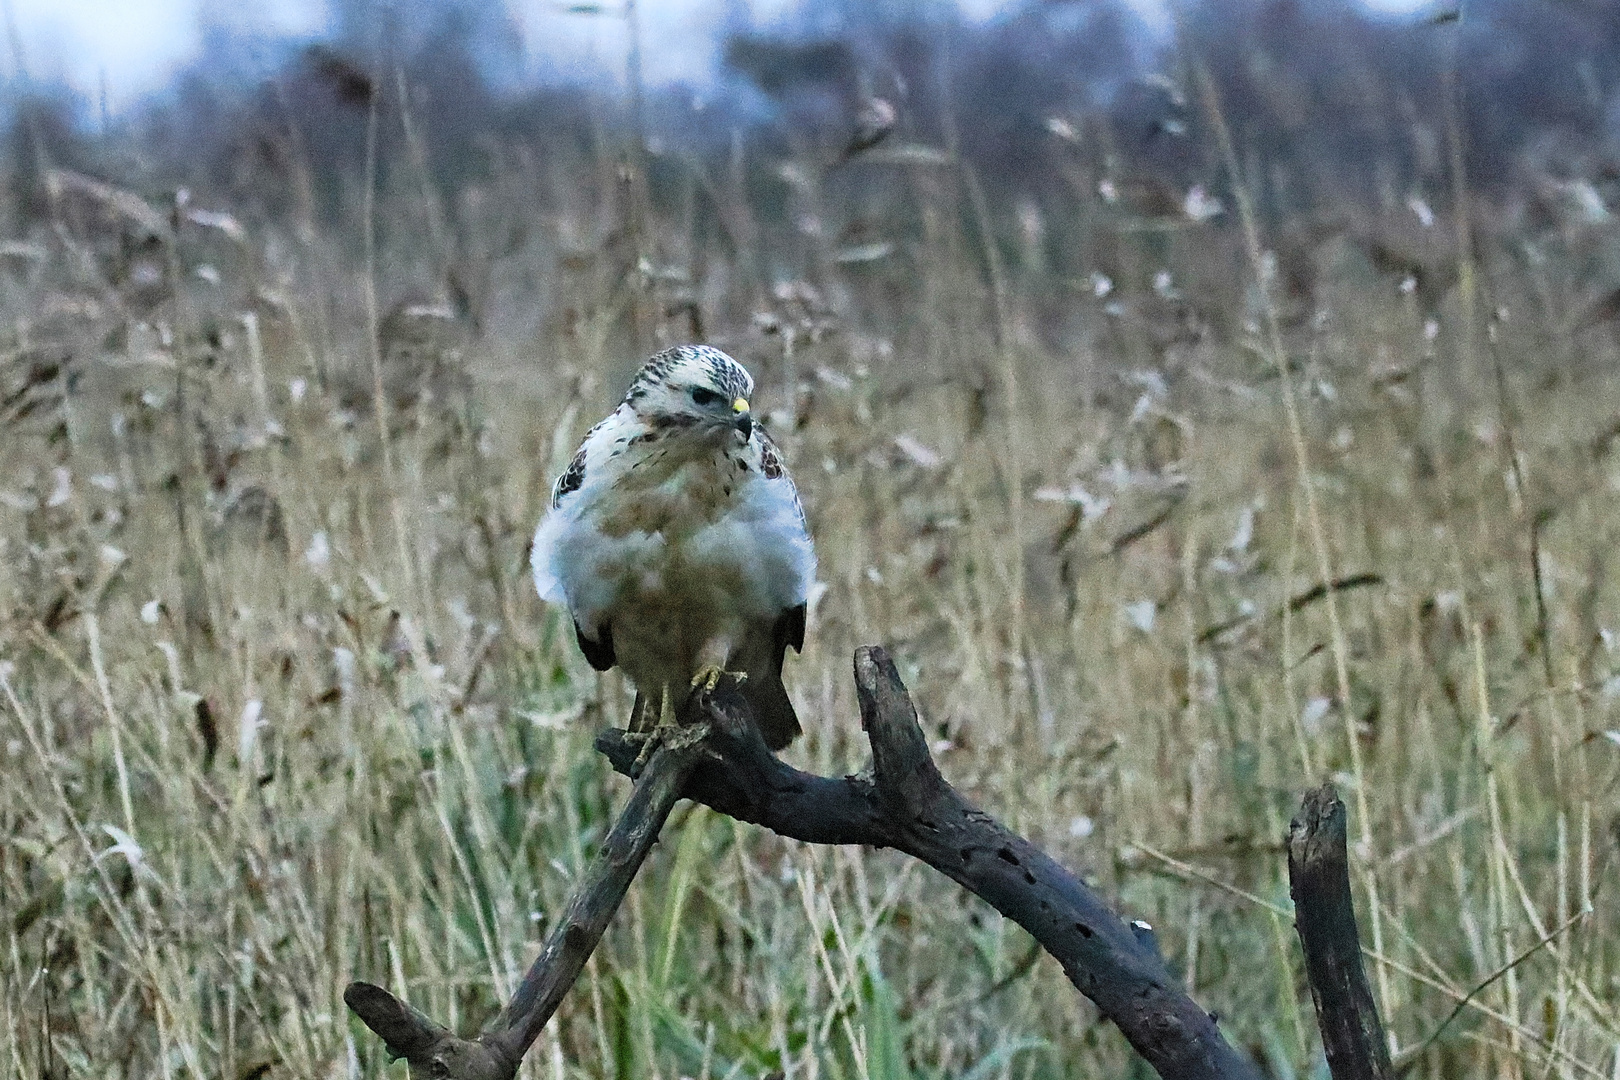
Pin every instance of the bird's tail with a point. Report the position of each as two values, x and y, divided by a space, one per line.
773 710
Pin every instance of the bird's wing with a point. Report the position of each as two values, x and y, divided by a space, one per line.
768 644
770 464
563 517
572 477
783 517
776 474
599 654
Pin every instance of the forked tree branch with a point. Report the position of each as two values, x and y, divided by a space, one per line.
434 1051
904 804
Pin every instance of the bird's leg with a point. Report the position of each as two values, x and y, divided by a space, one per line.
649 743
712 664
653 714
663 731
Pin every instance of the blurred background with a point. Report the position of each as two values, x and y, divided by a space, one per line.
1380 138
1201 399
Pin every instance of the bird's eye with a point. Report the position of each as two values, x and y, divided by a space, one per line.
704 397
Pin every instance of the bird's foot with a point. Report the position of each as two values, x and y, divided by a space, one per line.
647 742
708 677
670 736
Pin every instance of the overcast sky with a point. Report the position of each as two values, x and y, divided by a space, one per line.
132 46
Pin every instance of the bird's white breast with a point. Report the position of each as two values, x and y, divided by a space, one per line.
674 536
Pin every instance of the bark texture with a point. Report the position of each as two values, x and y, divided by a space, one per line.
1325 916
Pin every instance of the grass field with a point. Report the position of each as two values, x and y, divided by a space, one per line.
281 710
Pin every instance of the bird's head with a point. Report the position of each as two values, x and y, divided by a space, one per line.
696 387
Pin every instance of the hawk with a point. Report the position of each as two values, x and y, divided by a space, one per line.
676 539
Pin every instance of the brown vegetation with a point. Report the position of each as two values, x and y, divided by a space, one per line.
280 708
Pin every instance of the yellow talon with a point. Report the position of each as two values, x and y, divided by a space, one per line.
708 677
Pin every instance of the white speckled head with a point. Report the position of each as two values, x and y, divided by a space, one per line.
695 385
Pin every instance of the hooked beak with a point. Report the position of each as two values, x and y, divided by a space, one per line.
741 418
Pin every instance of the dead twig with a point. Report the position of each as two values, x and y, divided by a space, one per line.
1325 916
1412 1054
1295 603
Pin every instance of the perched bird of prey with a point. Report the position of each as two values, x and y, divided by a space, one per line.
677 541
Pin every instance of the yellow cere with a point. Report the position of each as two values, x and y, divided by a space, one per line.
740 405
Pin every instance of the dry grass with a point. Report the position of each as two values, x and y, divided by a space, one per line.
280 709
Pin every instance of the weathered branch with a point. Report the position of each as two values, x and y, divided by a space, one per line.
434 1051
907 805
904 804
1325 915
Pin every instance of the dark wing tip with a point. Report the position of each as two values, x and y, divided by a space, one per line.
790 629
599 654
